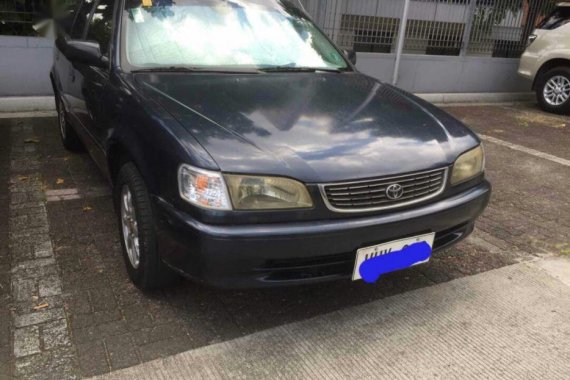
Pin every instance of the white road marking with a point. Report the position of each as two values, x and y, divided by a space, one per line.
520 148
71 194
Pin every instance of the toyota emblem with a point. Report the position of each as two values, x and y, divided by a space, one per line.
394 191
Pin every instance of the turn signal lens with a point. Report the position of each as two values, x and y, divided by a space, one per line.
203 188
468 165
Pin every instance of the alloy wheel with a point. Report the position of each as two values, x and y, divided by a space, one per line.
557 90
130 227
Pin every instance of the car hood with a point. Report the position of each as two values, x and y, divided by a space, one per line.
314 127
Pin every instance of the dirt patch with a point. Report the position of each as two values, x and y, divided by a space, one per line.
528 119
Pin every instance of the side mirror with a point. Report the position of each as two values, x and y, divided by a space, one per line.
351 55
86 52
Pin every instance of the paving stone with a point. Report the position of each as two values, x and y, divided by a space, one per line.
5 329
26 341
33 264
44 249
122 352
92 358
163 348
160 332
55 334
23 289
22 252
81 321
38 317
137 317
49 286
79 303
102 298
100 331
37 272
56 364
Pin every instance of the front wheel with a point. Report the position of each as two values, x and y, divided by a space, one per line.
553 91
69 137
137 229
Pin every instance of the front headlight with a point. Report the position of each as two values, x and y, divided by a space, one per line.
264 193
468 165
203 188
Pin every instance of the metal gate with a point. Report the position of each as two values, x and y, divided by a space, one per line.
493 28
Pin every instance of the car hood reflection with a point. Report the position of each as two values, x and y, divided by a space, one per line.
314 127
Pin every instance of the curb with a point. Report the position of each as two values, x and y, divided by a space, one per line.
478 97
46 103
27 103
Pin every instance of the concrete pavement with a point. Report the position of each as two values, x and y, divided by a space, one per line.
77 315
508 323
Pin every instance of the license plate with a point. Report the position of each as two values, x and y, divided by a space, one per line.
364 254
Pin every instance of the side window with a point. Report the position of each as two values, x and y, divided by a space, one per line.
558 18
81 19
101 26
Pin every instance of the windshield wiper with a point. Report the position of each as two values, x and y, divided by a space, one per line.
190 69
293 69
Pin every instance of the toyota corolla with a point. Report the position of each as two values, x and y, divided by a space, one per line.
245 149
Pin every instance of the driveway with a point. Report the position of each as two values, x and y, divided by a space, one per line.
73 312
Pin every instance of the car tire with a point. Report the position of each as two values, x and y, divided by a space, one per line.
138 231
69 137
553 91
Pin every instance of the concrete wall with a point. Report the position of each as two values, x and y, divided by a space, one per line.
442 74
25 63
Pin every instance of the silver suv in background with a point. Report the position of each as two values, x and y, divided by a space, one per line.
546 61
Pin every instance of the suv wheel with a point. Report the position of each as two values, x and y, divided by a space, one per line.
68 135
554 91
138 234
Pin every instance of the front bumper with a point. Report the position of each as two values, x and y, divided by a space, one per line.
243 256
528 66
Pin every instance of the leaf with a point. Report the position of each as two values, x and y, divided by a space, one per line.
32 141
59 181
87 209
41 306
22 178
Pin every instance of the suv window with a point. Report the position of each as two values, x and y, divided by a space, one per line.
81 19
101 25
559 17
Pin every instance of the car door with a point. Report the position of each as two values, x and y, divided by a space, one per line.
75 100
62 66
93 82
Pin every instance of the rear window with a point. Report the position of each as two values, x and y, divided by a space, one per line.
559 17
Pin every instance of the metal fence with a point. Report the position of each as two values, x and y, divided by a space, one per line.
496 28
17 17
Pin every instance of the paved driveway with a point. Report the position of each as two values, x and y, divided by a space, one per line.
73 312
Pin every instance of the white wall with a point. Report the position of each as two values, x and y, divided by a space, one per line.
25 63
441 74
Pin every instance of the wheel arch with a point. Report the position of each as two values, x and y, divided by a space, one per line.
119 153
547 66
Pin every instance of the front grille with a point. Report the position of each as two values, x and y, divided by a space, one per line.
371 194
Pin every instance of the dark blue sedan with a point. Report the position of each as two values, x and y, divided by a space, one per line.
245 150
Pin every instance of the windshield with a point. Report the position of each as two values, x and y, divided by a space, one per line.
558 18
224 33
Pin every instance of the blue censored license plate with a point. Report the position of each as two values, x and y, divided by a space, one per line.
392 256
